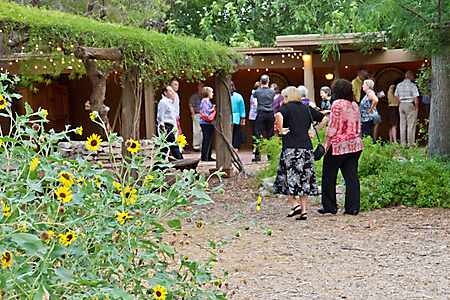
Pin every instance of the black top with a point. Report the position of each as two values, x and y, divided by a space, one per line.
297 119
264 97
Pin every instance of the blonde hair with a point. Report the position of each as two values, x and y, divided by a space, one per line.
291 94
369 83
207 91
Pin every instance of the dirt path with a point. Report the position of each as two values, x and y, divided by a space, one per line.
400 253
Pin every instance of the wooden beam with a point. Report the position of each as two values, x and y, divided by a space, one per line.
149 106
98 53
223 120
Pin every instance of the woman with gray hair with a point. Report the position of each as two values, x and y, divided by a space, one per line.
304 94
366 108
327 99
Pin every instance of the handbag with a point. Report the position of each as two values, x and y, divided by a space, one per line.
211 116
320 150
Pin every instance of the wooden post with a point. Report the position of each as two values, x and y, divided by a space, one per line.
128 107
149 105
223 121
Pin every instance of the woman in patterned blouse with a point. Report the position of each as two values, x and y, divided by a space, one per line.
343 147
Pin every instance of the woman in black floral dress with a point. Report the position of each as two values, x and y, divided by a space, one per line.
296 172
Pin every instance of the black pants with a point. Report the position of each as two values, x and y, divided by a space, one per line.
171 138
208 134
348 163
236 141
367 129
264 122
253 128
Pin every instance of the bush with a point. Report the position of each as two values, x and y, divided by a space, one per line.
73 230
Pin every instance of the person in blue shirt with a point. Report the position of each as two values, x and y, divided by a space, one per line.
237 117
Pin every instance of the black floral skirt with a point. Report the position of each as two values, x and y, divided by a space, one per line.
296 173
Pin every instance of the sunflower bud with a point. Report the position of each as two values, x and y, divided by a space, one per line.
128 143
36 127
151 261
137 213
16 226
61 209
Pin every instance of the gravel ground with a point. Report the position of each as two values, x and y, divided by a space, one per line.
395 253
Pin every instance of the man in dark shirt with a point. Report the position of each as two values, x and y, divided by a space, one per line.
264 105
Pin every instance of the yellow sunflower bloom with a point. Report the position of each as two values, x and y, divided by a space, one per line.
117 185
96 180
6 210
160 292
93 142
129 195
34 163
66 178
80 181
79 130
138 223
269 232
24 227
238 234
1 142
258 203
63 193
93 115
68 238
148 178
181 140
43 113
200 225
6 259
122 217
218 283
134 146
2 102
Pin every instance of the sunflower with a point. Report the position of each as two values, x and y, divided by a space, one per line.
93 115
218 283
129 195
200 225
148 178
160 292
93 142
66 178
269 232
258 203
79 130
96 180
63 193
6 210
43 113
138 223
34 163
238 234
117 185
181 140
134 146
80 181
122 217
2 102
222 191
6 259
68 238
1 142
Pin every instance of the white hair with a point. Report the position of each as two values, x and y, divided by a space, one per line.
303 91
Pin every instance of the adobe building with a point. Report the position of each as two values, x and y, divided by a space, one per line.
296 60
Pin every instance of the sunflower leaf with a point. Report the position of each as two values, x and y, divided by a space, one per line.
64 274
174 224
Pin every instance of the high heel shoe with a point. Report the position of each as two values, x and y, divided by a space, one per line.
295 211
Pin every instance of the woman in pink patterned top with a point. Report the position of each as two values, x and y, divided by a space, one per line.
343 146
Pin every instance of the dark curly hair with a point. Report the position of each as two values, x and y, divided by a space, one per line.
342 89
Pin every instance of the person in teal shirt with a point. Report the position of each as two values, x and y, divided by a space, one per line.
237 117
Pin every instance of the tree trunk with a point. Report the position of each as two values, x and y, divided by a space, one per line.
223 120
439 132
96 102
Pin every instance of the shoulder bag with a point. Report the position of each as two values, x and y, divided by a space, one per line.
211 116
320 150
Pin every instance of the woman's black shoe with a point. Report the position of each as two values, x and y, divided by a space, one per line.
211 159
295 211
303 216
352 212
324 211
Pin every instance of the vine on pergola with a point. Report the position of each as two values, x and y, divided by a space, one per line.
49 39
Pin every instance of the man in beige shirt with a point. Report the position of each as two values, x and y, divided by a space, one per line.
357 84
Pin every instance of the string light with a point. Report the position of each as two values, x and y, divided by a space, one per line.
248 70
282 61
10 63
303 68
257 70
267 69
51 60
282 56
346 67
35 67
293 68
262 59
58 49
70 67
272 62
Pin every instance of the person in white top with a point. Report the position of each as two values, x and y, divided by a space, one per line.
166 118
407 96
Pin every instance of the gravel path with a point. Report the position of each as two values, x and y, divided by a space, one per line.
396 253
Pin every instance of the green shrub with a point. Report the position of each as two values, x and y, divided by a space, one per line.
73 230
